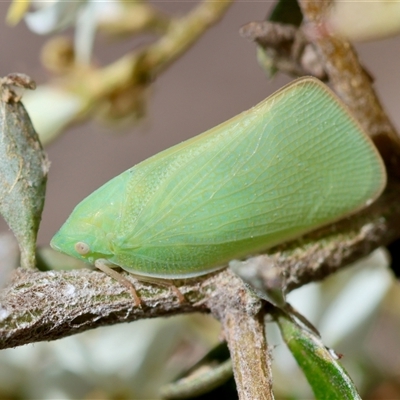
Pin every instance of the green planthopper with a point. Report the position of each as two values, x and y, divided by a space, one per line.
295 162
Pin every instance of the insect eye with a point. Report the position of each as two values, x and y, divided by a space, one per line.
82 248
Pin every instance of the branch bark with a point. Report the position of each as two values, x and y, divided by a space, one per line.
250 356
39 306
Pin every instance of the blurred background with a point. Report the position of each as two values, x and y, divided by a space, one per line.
215 80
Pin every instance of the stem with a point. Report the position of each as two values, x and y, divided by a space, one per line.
250 356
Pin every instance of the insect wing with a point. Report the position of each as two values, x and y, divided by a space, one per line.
294 162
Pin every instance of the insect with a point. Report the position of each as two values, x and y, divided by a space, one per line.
296 161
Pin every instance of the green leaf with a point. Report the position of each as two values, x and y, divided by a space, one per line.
23 169
326 376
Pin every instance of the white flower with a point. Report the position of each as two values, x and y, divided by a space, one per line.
58 15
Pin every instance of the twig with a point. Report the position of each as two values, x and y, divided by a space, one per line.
242 317
284 48
251 360
39 306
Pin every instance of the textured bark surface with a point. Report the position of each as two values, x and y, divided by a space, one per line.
250 358
39 306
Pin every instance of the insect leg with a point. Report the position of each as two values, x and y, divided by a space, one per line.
102 265
162 282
